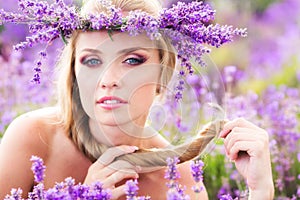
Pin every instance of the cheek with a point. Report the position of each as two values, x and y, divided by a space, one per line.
141 100
87 83
143 89
141 84
143 77
144 94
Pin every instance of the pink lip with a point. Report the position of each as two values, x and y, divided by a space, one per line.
105 106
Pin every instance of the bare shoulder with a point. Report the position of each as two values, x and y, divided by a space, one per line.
32 127
29 134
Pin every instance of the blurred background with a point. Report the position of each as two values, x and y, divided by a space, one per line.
257 77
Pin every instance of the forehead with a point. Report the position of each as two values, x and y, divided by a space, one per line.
113 42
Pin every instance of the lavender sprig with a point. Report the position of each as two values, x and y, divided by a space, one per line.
176 191
172 173
197 173
46 23
38 169
15 194
131 189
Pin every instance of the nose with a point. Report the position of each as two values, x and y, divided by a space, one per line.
110 79
109 85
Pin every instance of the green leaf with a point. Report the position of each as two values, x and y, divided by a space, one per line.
1 28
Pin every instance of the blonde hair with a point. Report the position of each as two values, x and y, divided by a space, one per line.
73 116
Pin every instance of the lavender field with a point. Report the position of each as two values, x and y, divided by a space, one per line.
257 78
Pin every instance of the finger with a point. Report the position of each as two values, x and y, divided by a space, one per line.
239 134
121 165
118 191
118 176
239 122
110 154
242 146
246 134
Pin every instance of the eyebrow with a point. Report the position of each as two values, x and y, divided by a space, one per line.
123 51
91 50
129 50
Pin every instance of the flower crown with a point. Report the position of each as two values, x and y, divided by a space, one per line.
186 24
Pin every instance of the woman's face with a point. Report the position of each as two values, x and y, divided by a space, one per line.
117 76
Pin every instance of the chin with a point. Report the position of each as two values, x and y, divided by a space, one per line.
109 122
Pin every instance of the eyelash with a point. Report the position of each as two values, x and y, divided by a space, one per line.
90 61
138 60
87 62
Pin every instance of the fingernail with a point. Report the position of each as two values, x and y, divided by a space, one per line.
221 133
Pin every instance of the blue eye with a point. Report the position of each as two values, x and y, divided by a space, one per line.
135 61
91 62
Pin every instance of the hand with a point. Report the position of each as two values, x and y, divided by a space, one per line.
248 147
110 173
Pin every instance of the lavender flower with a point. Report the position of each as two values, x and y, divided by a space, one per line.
98 192
38 192
188 22
61 191
226 197
176 191
174 194
171 173
197 173
271 51
80 191
131 189
38 169
43 24
15 194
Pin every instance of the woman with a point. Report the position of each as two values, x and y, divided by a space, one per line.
106 87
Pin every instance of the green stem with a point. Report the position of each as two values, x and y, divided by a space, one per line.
109 32
63 37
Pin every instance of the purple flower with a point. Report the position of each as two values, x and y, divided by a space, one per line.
172 173
197 170
38 169
232 74
15 194
131 189
174 194
226 197
270 50
176 191
38 192
80 191
197 173
6 119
